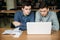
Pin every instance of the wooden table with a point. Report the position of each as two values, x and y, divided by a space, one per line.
8 11
24 36
14 11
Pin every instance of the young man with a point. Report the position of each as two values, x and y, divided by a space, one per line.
23 16
44 15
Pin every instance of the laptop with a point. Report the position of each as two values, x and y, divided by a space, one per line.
39 27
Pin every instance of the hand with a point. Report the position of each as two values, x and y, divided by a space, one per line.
15 23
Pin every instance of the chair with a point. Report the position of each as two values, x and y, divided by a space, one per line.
3 19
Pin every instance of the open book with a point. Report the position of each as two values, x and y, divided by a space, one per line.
15 32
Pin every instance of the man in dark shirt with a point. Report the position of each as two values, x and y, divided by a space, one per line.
23 16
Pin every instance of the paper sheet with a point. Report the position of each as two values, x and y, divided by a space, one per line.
15 31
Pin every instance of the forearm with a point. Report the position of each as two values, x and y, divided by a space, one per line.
55 22
22 26
55 27
16 23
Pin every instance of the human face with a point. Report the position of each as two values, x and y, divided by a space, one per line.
44 11
26 10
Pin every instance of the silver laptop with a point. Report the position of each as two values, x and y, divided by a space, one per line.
39 27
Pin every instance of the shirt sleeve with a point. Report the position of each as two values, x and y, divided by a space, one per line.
32 17
37 17
16 16
55 22
23 26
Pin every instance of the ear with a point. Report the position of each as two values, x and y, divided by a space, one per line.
48 9
22 8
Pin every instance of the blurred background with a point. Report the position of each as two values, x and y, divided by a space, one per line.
9 7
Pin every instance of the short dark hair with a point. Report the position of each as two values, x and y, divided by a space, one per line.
43 5
26 4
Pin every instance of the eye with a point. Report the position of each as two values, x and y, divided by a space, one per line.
26 9
30 9
42 11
